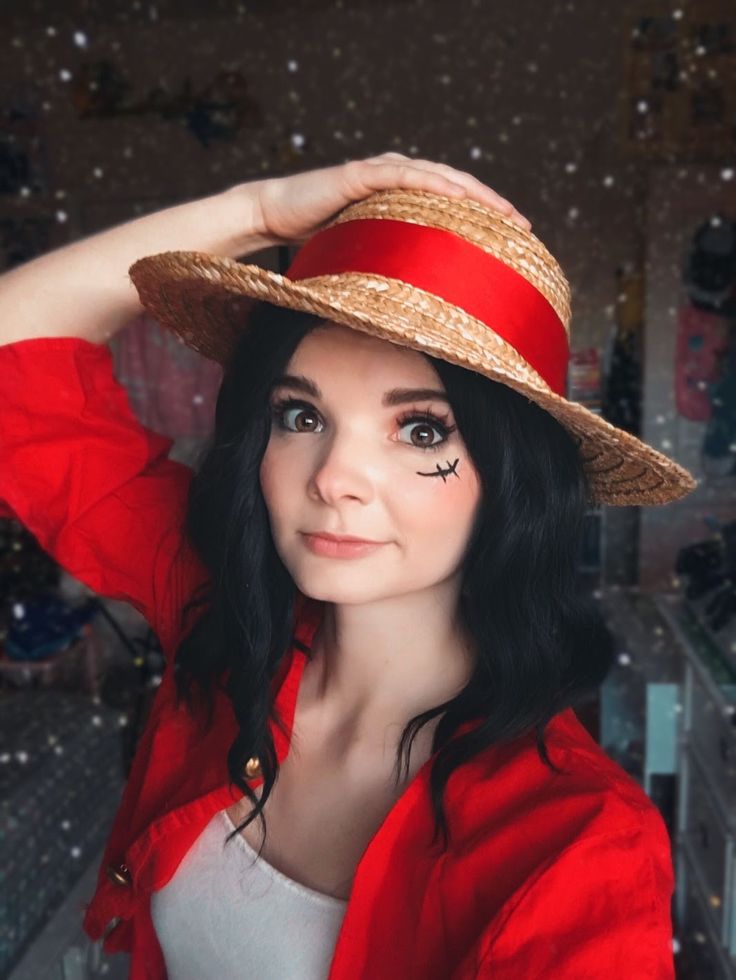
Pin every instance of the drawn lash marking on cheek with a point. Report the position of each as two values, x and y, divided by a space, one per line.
451 468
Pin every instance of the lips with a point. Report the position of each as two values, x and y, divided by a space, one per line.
341 537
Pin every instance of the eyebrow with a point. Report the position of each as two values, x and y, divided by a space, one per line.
396 396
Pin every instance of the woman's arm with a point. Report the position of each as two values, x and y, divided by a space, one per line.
83 289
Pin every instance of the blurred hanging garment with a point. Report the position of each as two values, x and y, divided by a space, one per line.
709 275
701 349
172 389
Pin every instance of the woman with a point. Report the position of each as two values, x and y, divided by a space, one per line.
363 396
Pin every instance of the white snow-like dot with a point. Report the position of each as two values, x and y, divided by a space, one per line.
475 152
65 825
22 757
608 180
727 173
64 74
292 65
624 659
61 216
75 851
197 399
642 105
571 167
80 39
297 140
19 610
98 172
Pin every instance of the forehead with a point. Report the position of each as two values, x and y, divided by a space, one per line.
332 347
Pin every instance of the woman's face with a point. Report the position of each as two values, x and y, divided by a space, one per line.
350 460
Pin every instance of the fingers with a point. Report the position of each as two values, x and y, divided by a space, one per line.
444 179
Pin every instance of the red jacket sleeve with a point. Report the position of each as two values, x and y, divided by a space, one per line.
601 910
89 481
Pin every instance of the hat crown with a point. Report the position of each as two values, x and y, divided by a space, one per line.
500 237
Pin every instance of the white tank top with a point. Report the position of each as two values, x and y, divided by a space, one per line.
228 914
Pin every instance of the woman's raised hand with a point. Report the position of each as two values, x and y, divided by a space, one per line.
54 295
291 209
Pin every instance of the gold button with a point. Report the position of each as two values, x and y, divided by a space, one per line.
253 767
118 874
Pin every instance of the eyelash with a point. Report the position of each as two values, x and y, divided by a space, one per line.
278 408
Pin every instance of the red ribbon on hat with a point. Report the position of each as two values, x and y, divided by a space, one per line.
457 271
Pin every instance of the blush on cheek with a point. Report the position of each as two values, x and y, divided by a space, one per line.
458 493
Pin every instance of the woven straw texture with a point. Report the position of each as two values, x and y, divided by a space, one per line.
205 299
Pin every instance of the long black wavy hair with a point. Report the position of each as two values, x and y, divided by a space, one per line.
542 644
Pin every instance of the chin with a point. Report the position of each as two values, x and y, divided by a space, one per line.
320 588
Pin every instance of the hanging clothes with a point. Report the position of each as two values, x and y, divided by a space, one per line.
172 389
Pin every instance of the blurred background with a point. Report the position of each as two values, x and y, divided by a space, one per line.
612 126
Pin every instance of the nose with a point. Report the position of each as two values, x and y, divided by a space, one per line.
345 469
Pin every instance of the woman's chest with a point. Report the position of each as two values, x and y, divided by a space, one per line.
321 816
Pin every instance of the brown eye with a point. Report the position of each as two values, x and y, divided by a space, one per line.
421 425
422 435
297 410
307 420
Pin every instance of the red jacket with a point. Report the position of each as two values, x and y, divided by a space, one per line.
548 876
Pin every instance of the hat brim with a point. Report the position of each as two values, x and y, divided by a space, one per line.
205 300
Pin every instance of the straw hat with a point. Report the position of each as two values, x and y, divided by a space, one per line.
448 277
